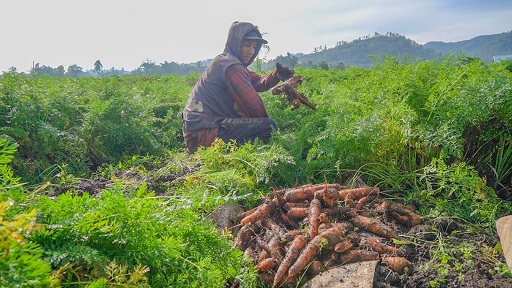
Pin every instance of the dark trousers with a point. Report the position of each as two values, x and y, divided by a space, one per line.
246 129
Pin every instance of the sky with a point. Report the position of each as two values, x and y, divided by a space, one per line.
125 33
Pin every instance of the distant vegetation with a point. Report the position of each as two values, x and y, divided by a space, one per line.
361 52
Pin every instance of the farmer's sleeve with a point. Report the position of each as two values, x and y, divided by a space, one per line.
248 102
263 83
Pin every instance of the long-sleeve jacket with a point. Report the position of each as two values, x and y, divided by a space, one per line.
226 89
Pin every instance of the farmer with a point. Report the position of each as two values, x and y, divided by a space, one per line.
225 103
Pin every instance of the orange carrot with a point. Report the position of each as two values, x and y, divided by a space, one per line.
331 237
265 277
315 268
381 248
307 192
314 218
399 264
279 198
353 256
343 246
354 237
244 236
329 259
343 211
274 247
286 220
361 202
324 226
323 218
357 193
263 211
300 194
277 230
374 226
291 256
245 213
290 205
297 213
267 264
306 256
328 196
263 255
401 213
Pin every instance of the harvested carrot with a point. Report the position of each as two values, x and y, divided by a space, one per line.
357 193
401 213
381 248
315 268
267 264
328 197
348 201
331 237
300 194
343 246
329 259
314 218
263 255
286 220
399 264
324 226
263 211
274 247
248 212
290 205
279 198
354 237
245 235
361 202
306 256
323 218
342 211
291 256
279 231
352 256
266 277
297 213
374 226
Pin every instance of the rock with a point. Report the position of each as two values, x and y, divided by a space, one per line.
225 216
355 275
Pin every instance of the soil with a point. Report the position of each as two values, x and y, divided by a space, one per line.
444 252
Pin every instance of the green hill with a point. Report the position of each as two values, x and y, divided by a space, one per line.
362 51
483 47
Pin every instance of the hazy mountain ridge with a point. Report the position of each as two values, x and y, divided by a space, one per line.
483 47
360 51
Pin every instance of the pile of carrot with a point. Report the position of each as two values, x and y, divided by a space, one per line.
297 233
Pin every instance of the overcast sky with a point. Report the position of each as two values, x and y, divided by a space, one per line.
125 33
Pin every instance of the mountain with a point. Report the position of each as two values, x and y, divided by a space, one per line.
362 51
483 47
357 52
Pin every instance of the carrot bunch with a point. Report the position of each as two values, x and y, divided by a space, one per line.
299 232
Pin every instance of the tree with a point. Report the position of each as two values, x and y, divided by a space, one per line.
289 60
98 66
75 70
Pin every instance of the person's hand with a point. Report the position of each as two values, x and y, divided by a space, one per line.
283 73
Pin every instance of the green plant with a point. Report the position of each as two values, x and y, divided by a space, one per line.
178 247
459 191
21 263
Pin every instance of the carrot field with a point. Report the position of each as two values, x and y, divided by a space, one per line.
97 189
